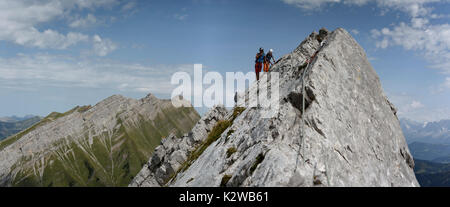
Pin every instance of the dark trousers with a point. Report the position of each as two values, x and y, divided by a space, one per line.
258 67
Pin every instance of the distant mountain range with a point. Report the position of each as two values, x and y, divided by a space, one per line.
429 143
430 152
426 132
16 118
12 125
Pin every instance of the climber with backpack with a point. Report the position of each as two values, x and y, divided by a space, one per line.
268 60
259 60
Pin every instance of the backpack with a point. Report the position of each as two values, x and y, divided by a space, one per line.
259 58
268 57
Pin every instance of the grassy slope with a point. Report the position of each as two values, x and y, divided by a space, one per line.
111 160
434 180
432 174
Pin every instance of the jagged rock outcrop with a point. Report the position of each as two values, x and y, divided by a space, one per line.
174 151
349 134
103 145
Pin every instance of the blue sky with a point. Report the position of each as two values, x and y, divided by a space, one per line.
57 54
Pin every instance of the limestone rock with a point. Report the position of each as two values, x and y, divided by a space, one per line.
349 134
102 145
173 151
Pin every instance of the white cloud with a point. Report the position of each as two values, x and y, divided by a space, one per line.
47 39
419 22
354 31
432 41
305 4
87 21
370 58
407 106
416 105
447 82
410 108
413 7
103 47
28 72
129 6
20 20
180 17
439 89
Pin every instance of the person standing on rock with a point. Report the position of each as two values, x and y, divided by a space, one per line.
268 60
259 62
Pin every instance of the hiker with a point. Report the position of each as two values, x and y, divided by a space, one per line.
268 60
259 62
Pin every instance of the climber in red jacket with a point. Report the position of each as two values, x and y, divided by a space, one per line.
259 62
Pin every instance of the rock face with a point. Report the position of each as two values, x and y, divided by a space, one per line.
174 151
103 145
348 135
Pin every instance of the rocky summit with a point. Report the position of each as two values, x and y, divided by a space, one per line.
103 145
348 134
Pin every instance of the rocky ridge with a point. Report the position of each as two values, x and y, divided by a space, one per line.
349 134
103 145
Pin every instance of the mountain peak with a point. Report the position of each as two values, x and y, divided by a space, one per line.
103 145
348 135
115 97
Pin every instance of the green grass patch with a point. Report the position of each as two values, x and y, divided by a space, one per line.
237 111
83 109
231 151
229 133
259 159
316 180
215 134
225 180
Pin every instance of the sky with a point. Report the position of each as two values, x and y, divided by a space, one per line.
57 54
